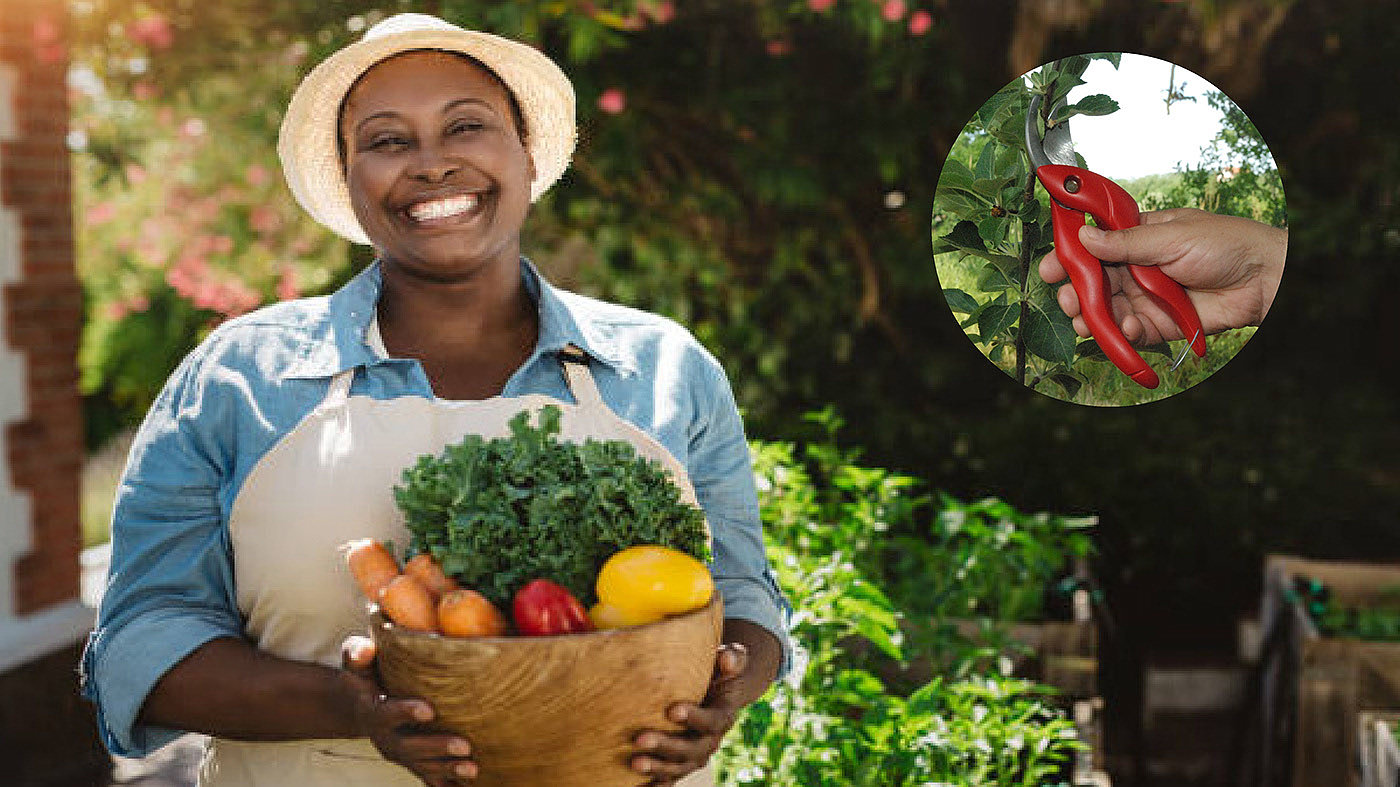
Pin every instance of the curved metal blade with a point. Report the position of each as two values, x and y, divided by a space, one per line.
1034 147
1059 148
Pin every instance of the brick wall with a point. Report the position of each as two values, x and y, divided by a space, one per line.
42 307
47 733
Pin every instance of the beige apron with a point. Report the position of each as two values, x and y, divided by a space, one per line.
329 481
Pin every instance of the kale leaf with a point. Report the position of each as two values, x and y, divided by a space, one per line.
499 513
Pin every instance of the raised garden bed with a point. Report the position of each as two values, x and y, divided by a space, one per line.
1317 677
1380 748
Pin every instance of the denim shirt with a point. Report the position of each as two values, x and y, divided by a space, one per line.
170 588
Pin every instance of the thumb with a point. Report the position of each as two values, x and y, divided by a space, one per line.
357 655
1145 244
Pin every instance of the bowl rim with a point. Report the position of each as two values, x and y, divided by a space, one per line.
378 620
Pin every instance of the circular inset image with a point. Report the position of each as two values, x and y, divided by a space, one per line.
1109 229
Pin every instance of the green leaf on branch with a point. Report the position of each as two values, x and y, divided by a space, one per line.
966 238
990 188
1097 104
1073 66
1000 273
1010 163
1008 96
1030 231
1161 348
1113 57
997 320
1071 383
956 202
992 230
1090 350
986 161
955 175
1049 333
960 302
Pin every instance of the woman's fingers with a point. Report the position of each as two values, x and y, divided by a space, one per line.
357 653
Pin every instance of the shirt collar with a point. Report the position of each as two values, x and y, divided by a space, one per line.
340 339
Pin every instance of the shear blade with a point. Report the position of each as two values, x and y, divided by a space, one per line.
1059 147
1185 349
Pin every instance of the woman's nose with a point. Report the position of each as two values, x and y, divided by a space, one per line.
434 165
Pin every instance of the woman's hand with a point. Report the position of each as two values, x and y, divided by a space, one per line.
393 724
1230 267
667 757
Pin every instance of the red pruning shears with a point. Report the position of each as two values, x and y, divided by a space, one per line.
1075 191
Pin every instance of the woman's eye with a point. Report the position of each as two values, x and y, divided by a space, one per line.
465 127
388 142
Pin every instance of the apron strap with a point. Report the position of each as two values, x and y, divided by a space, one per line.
579 378
339 390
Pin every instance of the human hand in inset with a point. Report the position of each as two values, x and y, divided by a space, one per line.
1229 266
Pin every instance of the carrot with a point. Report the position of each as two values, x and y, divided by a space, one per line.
427 571
467 613
372 565
408 604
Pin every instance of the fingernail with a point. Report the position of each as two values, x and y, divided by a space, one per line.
459 748
678 714
644 766
1091 232
465 769
422 713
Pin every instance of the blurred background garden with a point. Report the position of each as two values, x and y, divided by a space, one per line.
763 171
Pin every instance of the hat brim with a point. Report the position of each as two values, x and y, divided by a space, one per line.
307 142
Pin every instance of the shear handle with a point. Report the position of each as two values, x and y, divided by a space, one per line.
1114 209
1090 283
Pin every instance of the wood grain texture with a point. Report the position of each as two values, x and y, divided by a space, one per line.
555 711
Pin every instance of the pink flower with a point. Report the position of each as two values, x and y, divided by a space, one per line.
101 213
287 287
153 31
45 32
144 91
256 175
135 174
193 128
661 12
221 244
115 311
264 220
778 47
613 101
820 5
920 22
893 10
138 302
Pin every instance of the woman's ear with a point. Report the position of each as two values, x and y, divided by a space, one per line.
530 165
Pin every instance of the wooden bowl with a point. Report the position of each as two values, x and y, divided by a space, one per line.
555 711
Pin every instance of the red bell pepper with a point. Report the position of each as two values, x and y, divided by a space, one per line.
543 608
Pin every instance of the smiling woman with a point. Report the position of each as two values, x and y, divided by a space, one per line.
281 437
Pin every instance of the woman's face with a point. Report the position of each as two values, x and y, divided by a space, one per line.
438 175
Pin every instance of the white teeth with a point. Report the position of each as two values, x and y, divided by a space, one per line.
442 208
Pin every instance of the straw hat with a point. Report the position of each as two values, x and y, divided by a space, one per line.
307 143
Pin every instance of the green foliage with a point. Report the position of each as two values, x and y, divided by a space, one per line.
1377 621
1236 174
834 721
991 221
499 513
